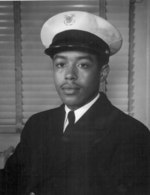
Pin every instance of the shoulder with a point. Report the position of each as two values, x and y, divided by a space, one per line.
41 121
119 119
128 126
116 121
45 115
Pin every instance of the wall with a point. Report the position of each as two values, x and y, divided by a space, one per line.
148 65
142 62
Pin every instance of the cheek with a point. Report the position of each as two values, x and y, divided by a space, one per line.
90 79
57 78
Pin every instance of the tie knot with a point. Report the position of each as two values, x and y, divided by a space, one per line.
71 118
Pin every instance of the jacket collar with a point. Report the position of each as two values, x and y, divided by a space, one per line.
99 117
98 120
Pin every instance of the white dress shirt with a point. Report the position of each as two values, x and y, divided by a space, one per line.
79 112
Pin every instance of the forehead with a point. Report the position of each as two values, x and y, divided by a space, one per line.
75 55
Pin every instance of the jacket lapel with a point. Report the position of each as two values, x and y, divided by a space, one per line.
57 121
96 122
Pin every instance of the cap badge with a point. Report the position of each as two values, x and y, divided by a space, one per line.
107 52
69 19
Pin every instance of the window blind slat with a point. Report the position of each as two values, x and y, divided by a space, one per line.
7 66
117 87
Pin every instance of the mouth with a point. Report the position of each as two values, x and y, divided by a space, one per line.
70 89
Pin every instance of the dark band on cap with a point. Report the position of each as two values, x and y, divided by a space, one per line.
79 40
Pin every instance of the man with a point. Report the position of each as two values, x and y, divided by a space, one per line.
86 146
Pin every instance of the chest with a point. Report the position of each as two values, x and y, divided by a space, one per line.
82 149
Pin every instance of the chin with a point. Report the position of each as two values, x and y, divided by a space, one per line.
71 102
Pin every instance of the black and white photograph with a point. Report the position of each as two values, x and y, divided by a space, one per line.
75 97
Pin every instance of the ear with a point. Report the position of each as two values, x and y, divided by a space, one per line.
104 72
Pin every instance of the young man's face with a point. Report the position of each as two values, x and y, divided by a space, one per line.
76 77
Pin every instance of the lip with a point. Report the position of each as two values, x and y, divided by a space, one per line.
70 89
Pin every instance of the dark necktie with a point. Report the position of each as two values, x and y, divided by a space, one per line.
71 120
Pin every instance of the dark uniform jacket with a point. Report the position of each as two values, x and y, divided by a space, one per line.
106 153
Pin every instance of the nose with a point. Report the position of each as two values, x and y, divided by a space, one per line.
71 73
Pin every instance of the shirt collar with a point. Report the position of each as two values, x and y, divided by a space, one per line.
80 111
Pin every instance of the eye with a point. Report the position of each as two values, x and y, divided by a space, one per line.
83 65
59 65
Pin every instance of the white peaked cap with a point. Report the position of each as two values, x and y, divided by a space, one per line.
81 21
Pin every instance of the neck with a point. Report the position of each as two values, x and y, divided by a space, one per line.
73 108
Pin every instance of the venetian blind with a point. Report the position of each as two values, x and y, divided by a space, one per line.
7 67
117 12
38 89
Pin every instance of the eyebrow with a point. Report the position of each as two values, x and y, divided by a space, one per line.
78 58
59 56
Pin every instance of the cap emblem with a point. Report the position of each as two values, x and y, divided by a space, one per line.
69 19
106 51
